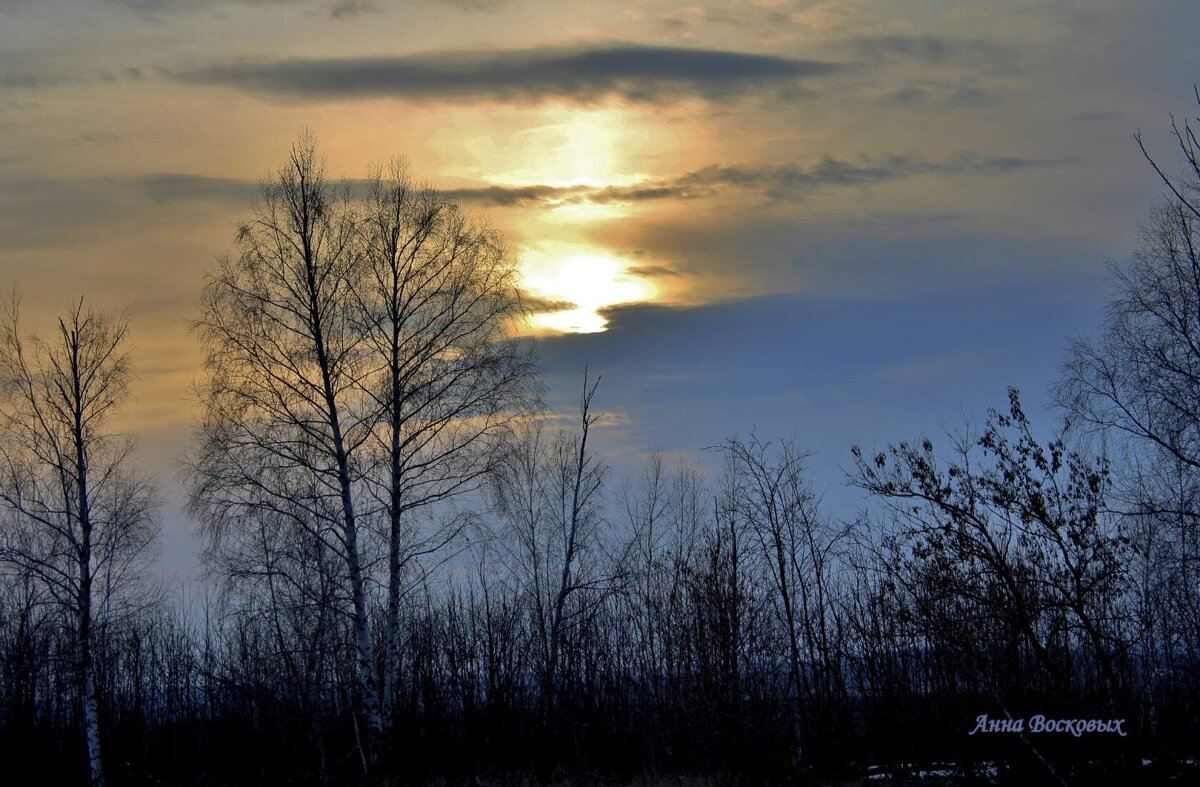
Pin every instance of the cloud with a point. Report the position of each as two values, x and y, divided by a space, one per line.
39 69
934 50
681 19
91 201
535 304
335 9
943 95
790 181
654 271
96 136
42 212
777 182
24 80
175 187
345 9
780 182
574 73
34 70
514 196
472 6
169 6
1097 116
972 98
813 366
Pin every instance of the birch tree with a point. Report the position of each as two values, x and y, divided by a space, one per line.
75 516
285 420
437 300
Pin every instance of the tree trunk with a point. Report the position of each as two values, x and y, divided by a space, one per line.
87 678
91 712
396 476
362 625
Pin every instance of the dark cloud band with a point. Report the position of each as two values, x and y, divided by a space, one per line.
781 182
638 73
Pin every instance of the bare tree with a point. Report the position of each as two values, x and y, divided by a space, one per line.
547 489
1137 384
797 549
437 301
1020 528
646 508
285 418
76 517
361 372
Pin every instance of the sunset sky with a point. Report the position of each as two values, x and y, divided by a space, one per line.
850 221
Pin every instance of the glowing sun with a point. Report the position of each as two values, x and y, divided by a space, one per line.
583 281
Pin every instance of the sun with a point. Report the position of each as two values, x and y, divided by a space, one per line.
578 151
585 281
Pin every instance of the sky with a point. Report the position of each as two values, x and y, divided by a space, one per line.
841 221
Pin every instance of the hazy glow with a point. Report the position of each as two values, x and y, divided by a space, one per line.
583 212
78 148
577 147
570 321
573 148
588 279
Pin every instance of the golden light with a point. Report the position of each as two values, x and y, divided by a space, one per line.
588 211
574 147
571 148
589 279
577 151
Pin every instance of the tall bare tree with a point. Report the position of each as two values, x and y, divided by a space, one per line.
361 370
1137 383
438 299
285 418
76 516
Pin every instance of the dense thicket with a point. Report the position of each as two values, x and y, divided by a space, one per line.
711 625
420 574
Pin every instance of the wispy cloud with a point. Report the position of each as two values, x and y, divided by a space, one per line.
34 70
790 181
934 50
779 182
1097 116
169 6
782 182
345 9
942 95
573 73
334 9
510 196
475 5
174 187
